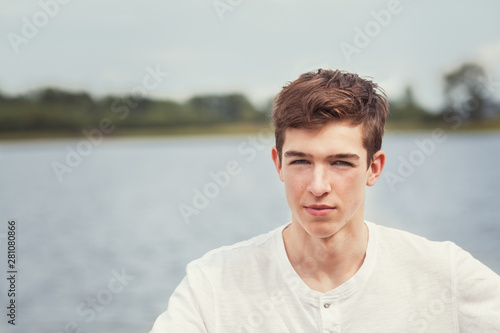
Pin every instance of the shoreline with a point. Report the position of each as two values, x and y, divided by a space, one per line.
489 126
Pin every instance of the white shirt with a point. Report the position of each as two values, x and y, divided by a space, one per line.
406 284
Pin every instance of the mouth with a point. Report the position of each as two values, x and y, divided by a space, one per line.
319 210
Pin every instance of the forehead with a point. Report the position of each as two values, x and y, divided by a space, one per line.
334 137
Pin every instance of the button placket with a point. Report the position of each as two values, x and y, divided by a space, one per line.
330 320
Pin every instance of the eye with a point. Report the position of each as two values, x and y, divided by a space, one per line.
299 162
343 164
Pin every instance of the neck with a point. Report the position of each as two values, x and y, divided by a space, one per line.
326 263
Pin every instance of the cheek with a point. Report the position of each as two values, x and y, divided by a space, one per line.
295 186
350 185
292 184
292 197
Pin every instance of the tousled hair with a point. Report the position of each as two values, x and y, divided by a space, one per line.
316 98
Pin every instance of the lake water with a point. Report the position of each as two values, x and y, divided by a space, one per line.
102 248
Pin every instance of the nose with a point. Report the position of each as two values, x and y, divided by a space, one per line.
319 184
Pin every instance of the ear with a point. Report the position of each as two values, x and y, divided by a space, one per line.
375 168
276 159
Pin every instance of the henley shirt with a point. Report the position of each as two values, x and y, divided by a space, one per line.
405 284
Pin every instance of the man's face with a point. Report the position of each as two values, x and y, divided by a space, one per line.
325 173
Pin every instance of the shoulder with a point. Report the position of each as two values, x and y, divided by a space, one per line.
412 252
250 252
395 238
402 246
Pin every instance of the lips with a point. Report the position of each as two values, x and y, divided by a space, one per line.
319 210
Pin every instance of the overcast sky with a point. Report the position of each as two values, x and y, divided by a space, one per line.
245 46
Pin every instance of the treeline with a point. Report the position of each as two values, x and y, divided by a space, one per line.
468 96
54 109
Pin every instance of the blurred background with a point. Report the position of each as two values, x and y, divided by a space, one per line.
135 136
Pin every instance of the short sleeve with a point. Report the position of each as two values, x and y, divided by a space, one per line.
478 295
190 308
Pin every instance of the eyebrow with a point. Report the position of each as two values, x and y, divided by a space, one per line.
294 153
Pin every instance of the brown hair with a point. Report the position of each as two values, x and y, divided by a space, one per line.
316 98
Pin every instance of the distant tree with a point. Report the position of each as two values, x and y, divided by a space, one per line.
138 104
466 92
267 110
56 96
225 108
55 109
407 108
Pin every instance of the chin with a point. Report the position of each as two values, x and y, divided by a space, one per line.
322 228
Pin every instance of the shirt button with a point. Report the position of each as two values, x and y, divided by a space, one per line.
326 305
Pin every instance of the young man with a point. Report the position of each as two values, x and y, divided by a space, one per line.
329 270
